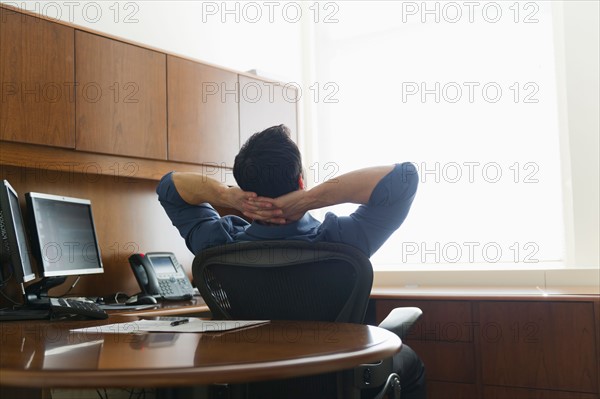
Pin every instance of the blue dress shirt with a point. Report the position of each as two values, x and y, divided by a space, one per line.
366 229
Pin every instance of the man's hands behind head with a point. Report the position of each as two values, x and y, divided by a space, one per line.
282 210
354 187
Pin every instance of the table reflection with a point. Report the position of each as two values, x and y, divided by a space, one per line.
80 355
148 350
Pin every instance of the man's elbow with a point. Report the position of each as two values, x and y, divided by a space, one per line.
409 177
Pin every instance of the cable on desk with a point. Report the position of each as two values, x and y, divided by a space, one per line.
72 286
117 294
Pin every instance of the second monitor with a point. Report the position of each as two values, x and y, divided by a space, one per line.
63 236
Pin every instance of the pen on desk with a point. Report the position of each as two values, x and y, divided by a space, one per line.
178 322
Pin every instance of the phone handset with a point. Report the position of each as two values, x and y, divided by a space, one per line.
144 274
159 274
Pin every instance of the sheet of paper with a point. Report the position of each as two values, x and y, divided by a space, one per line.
122 306
194 325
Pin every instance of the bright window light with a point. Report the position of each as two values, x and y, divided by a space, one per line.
467 92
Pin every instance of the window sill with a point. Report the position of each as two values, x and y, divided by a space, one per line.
446 267
523 281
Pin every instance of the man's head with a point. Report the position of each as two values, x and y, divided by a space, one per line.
269 163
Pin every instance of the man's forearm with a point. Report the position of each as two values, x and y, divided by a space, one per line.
353 187
195 188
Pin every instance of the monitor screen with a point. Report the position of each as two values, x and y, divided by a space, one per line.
15 249
63 235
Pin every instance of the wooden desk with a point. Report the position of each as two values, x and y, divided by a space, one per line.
46 354
495 343
195 307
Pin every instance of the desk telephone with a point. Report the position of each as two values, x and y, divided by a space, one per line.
159 274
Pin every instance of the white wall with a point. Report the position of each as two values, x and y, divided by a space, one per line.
577 48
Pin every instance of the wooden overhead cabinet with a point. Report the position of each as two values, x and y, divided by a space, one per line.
203 113
37 101
121 98
62 86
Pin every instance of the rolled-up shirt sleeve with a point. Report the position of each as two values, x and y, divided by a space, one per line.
372 224
200 225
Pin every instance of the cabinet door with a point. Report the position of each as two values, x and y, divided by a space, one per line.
203 113
37 77
542 345
121 98
264 104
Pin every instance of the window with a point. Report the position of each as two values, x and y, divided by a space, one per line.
467 92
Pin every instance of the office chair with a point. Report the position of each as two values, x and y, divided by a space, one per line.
297 280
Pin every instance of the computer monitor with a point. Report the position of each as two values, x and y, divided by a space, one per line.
63 235
15 249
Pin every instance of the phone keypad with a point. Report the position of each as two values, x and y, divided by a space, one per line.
166 287
174 287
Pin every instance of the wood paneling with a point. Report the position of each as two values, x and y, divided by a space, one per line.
121 98
37 92
264 104
491 392
203 113
447 390
540 345
446 361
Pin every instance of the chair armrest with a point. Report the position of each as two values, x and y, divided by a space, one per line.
400 320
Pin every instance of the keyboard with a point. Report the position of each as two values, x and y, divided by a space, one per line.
77 307
24 314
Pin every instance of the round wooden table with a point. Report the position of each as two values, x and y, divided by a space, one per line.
47 354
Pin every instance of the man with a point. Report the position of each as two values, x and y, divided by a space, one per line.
268 170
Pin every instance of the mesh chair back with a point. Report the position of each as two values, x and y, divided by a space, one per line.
285 280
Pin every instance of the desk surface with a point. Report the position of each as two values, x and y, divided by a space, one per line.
195 307
46 354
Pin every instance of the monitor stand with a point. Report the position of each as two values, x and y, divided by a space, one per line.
37 303
36 294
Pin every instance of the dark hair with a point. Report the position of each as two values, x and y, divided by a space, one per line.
269 163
